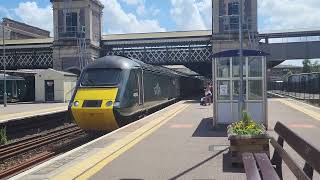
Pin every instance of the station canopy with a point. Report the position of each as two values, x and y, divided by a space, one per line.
236 52
10 77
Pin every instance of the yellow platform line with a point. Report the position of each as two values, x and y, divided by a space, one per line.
94 163
31 113
313 114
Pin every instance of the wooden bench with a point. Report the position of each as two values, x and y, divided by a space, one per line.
259 166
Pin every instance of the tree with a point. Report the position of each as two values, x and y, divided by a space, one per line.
315 67
286 76
306 66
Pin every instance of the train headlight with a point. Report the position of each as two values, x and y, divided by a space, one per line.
109 103
76 103
116 104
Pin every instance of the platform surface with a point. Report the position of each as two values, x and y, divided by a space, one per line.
23 110
177 142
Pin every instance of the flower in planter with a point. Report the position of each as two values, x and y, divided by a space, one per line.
246 126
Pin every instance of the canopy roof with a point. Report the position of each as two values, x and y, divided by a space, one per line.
235 53
10 78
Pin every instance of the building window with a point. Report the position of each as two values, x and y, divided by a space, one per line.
234 23
233 8
255 90
223 66
71 21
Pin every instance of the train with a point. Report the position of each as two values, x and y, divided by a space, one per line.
113 91
303 83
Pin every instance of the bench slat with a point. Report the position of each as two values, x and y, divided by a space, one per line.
303 148
267 171
250 166
292 165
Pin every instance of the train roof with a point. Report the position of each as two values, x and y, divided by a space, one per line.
121 62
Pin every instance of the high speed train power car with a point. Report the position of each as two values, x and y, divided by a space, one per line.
113 90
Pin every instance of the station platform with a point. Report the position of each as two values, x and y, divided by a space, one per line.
177 142
16 111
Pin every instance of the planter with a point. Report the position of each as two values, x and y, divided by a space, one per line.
247 143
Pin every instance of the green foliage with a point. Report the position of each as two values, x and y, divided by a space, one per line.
286 76
315 67
246 126
306 66
3 136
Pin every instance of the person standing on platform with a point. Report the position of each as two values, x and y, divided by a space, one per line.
211 89
208 95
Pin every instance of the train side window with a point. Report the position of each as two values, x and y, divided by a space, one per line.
132 91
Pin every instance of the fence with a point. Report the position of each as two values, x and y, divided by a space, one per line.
300 89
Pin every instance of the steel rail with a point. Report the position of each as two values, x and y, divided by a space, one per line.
23 146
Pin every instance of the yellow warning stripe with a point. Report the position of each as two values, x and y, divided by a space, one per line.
91 165
313 114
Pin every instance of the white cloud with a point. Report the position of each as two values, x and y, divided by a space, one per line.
141 10
139 4
30 13
133 2
288 14
205 8
155 11
118 21
4 12
191 14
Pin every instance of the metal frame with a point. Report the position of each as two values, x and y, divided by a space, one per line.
231 79
28 58
163 53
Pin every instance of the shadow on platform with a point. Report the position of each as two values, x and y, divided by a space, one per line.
205 129
198 165
227 165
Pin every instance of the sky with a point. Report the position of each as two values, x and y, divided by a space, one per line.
136 16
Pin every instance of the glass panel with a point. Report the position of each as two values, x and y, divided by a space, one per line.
71 22
101 77
236 67
233 8
255 66
255 89
223 66
223 90
234 23
236 89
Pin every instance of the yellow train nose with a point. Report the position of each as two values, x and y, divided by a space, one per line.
92 108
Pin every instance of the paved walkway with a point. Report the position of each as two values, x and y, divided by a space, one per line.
302 118
22 110
184 148
175 143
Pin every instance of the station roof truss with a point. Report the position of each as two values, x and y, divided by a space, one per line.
27 58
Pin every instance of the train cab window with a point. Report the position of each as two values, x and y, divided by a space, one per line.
101 77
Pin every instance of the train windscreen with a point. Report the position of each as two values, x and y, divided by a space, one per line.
101 77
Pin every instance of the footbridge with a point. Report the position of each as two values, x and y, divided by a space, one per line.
190 48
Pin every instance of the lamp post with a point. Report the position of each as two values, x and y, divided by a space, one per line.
4 68
241 99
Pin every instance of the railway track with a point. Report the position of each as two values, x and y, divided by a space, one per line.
21 147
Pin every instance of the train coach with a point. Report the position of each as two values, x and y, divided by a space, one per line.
114 90
303 83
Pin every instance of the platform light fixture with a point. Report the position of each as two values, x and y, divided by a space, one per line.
4 62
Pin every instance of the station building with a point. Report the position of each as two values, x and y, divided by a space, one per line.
15 30
54 86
